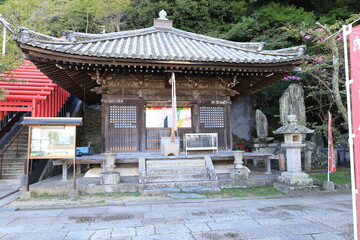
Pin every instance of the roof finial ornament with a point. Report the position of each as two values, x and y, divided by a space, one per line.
162 15
6 24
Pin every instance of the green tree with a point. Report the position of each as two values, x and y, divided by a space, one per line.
264 25
111 14
323 71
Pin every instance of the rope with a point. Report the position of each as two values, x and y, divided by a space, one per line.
340 30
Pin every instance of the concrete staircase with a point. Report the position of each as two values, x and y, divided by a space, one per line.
178 175
15 156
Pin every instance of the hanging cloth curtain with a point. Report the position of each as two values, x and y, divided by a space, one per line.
173 106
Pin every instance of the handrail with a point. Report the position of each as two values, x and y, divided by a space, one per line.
13 118
10 126
10 144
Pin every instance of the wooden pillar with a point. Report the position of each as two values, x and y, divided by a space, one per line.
228 132
195 118
141 122
104 126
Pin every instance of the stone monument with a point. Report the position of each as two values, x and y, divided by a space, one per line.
261 125
294 181
292 103
262 142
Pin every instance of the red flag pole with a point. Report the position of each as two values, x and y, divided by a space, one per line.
331 160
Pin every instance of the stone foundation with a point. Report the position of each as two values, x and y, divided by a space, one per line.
110 178
239 174
296 190
296 184
295 179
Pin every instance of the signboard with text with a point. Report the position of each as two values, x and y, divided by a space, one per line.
52 142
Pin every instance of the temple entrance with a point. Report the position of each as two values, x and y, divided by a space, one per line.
140 128
159 123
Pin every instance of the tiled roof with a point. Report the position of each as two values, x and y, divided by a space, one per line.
160 42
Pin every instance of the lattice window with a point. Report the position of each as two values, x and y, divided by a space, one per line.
212 117
122 117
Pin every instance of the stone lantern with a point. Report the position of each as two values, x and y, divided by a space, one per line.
293 180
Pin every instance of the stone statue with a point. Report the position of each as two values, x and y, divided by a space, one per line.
261 125
292 103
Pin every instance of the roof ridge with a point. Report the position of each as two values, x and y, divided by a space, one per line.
107 36
150 30
197 48
232 44
254 47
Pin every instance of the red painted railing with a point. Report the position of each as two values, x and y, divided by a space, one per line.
29 90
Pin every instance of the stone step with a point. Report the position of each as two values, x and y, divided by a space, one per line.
175 163
14 162
22 139
177 178
10 182
21 145
22 148
13 158
15 153
176 170
13 146
12 155
12 175
186 184
14 150
13 170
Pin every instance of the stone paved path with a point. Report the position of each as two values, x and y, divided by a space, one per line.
314 217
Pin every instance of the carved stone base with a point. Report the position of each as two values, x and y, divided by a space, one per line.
295 179
296 190
239 174
171 148
110 178
328 185
109 162
295 184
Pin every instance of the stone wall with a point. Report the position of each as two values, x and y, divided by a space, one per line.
91 129
242 117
